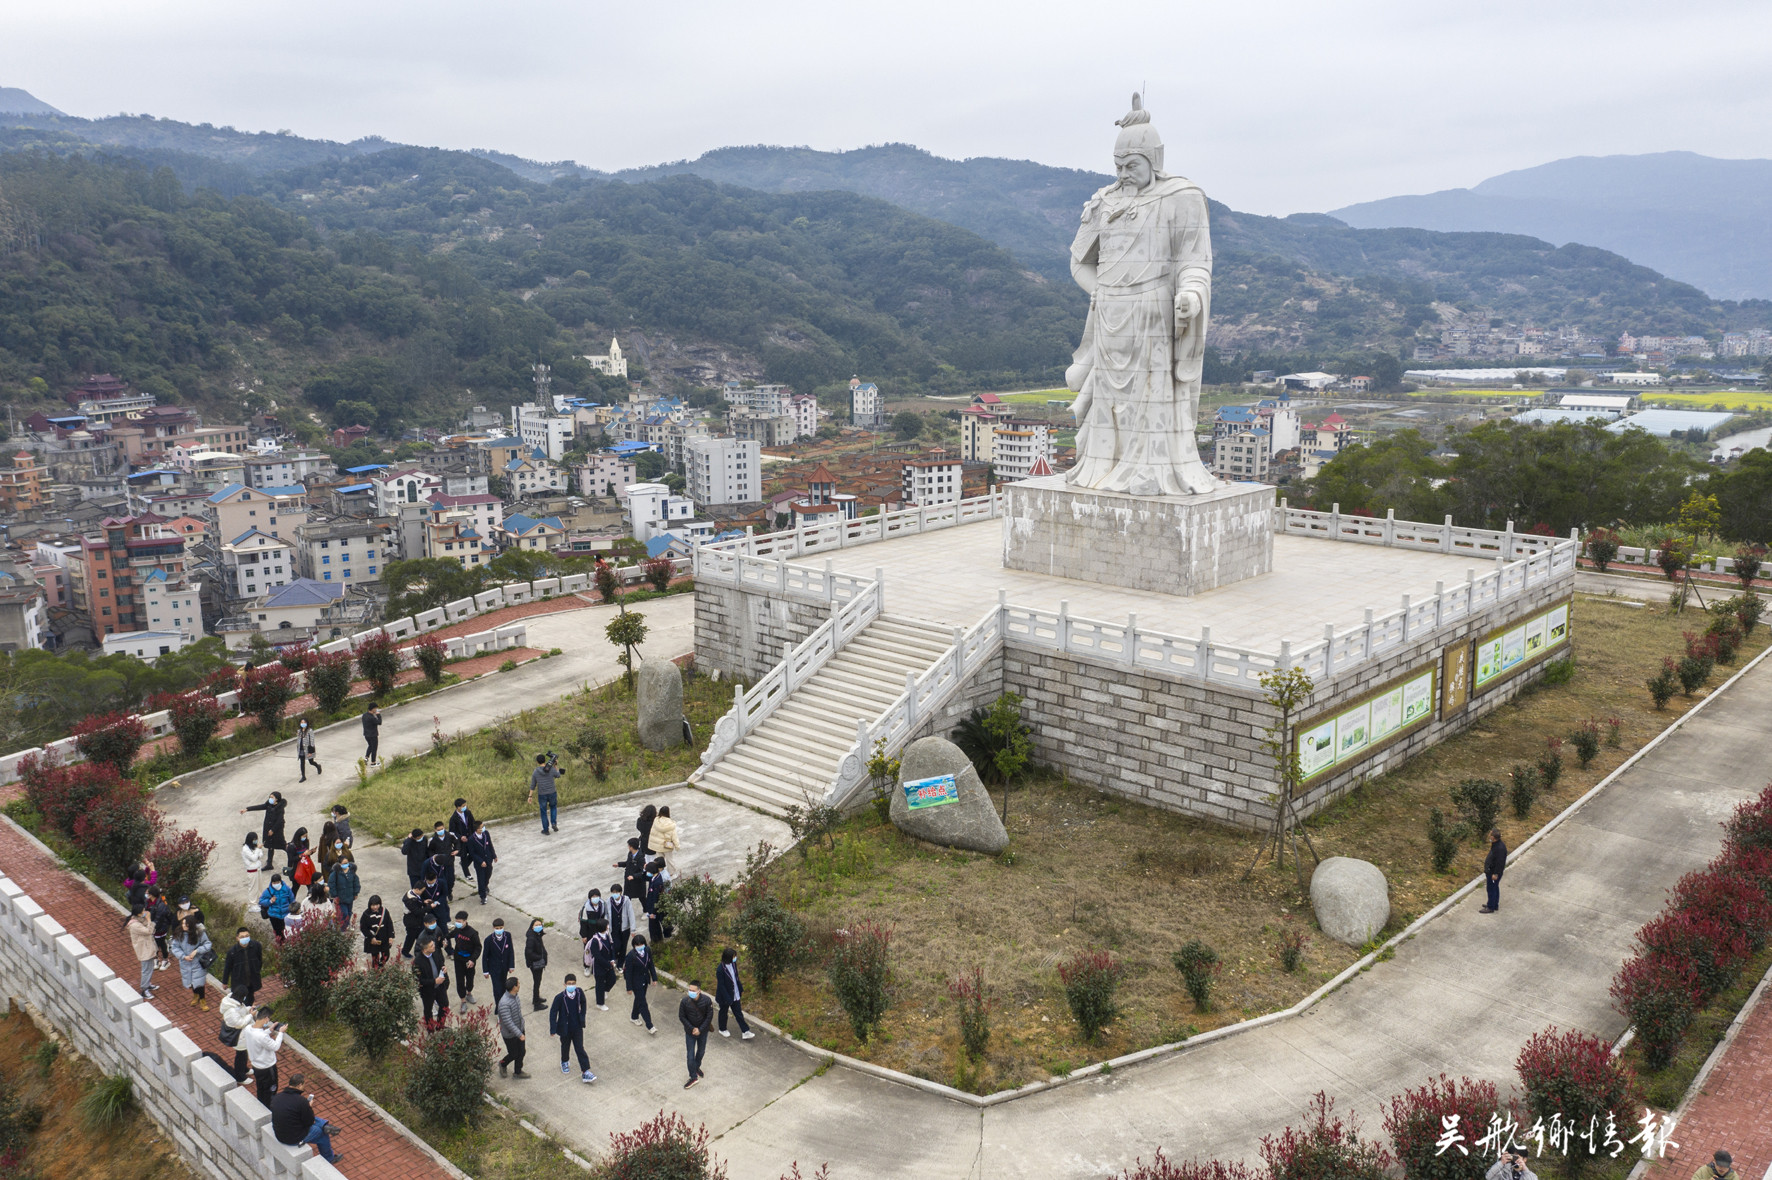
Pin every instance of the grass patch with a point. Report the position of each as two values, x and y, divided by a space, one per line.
1092 871
1729 399
415 793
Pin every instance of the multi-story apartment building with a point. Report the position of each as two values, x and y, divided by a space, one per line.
932 481
406 485
533 475
653 508
24 615
255 563
456 535
273 511
528 532
724 471
1010 445
1242 456
351 552
173 604
107 587
768 430
485 512
604 473
542 429
21 485
866 406
805 412
281 469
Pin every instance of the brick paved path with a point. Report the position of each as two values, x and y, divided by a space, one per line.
370 1148
1733 1110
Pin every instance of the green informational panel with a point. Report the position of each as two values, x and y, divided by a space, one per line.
1371 723
1518 645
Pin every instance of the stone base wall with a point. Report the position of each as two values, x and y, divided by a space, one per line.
220 1128
1171 544
744 633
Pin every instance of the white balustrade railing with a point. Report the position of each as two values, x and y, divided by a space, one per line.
716 560
860 605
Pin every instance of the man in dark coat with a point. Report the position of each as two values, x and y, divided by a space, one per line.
417 908
416 851
1493 866
372 734
696 1013
464 950
293 1121
535 957
498 956
461 826
272 833
240 970
566 1020
640 973
633 872
431 970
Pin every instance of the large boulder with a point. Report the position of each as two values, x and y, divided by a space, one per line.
969 822
1351 898
659 687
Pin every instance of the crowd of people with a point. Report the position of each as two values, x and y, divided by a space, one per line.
447 953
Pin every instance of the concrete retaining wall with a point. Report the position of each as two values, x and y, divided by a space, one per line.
220 1128
742 634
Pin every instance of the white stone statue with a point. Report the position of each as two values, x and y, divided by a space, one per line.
1144 255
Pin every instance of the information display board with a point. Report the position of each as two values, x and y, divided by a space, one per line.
931 792
1371 723
1517 646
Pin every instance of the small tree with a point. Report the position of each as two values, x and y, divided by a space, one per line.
1602 547
378 661
1574 1076
883 775
1442 840
1671 555
1199 967
450 1066
329 680
265 692
658 572
182 860
591 747
608 585
295 657
1287 690
1090 980
692 904
1522 790
664 1148
376 1004
1747 564
1586 740
1664 684
972 1004
116 827
1289 948
1550 763
627 630
110 739
773 933
1416 1119
195 717
1326 1149
861 975
431 655
311 958
1478 801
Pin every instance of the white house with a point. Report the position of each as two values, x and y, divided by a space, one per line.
653 508
542 429
724 470
533 475
932 481
254 563
173 604
405 486
144 645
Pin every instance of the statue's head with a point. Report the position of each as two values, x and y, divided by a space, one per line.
1138 149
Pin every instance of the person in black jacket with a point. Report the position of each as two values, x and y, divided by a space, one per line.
633 873
656 885
436 897
293 1121
640 974
497 958
271 836
240 970
730 995
648 813
535 957
621 922
416 852
441 863
1493 866
377 926
413 920
479 852
566 1020
461 826
696 1013
372 734
432 972
601 949
464 949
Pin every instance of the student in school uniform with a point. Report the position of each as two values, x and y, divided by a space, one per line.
416 849
432 973
603 959
480 853
498 957
640 974
377 926
728 994
566 1020
621 923
464 948
593 914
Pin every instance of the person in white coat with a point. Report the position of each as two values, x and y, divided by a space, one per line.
253 856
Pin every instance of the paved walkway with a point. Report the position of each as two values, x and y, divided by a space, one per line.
368 1145
1734 1109
1461 997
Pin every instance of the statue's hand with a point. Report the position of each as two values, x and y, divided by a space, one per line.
1187 306
1075 375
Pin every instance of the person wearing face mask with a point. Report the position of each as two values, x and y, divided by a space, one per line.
272 835
343 884
341 820
566 1020
497 958
262 1039
729 994
461 828
435 899
252 858
593 915
601 957
481 854
417 907
377 926
329 848
274 904
304 750
512 1028
236 1014
416 849
442 864
464 950
640 974
240 970
696 1013
432 973
621 922
535 957
141 940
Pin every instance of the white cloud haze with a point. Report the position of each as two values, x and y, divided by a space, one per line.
1275 106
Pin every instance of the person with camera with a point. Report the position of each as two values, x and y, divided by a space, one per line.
1721 1167
262 1039
1511 1166
543 792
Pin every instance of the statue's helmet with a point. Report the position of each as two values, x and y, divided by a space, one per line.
1138 137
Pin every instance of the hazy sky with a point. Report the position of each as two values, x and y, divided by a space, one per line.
1275 106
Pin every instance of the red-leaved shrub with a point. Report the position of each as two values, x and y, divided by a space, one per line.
662 1146
1326 1149
112 739
181 859
1715 949
1574 1075
60 793
1415 1120
295 657
1723 893
329 680
265 692
116 827
378 661
1751 824
1163 1168
1659 995
431 655
196 716
222 680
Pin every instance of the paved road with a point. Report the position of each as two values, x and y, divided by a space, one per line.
1461 997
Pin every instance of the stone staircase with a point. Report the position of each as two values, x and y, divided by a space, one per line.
794 753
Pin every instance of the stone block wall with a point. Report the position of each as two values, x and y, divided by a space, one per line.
744 633
220 1128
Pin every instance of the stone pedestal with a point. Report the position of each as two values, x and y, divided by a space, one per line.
1170 544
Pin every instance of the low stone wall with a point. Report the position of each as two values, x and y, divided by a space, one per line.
745 635
220 1128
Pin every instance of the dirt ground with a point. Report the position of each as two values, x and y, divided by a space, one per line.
62 1148
1090 871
